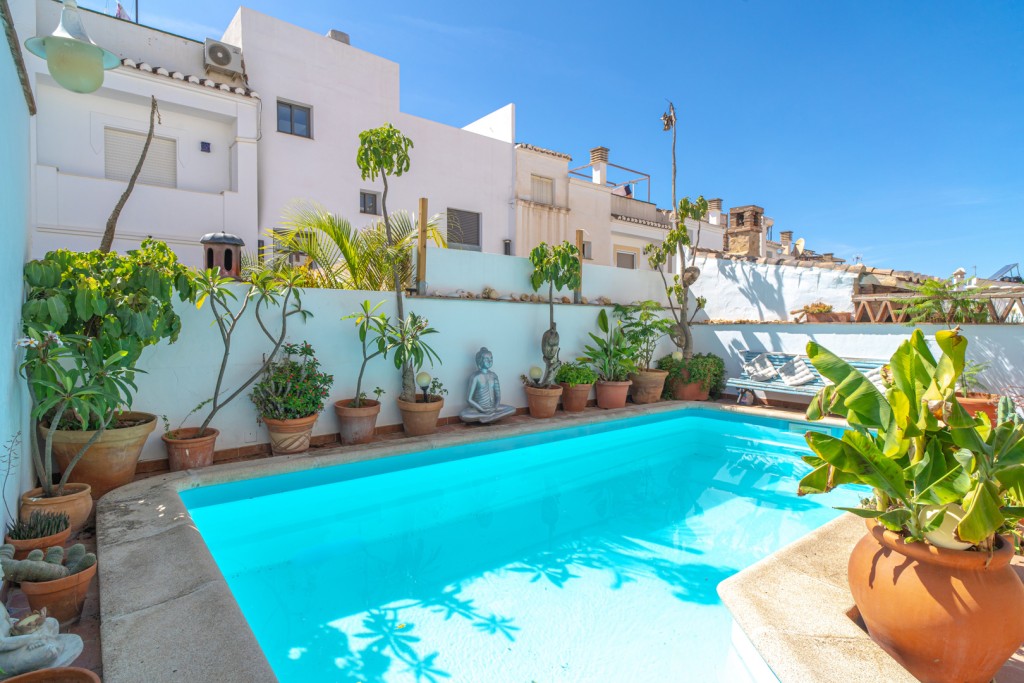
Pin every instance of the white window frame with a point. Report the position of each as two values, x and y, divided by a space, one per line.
376 196
293 105
627 252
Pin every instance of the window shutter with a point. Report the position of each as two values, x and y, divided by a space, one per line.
543 190
122 148
625 259
463 229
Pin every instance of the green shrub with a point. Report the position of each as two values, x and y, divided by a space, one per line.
291 388
575 373
706 368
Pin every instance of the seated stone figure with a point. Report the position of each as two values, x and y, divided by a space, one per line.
34 643
485 393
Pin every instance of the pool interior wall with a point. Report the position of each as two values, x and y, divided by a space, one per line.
585 553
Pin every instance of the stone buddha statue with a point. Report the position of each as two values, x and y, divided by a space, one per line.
34 642
485 393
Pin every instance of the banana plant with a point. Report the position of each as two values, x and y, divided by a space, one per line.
915 445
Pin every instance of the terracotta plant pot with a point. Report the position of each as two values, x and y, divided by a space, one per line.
985 403
288 437
63 598
830 317
358 425
575 397
647 385
187 451
420 419
76 503
611 395
61 674
945 615
542 402
683 390
23 547
110 462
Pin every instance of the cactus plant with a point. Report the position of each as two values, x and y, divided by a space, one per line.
39 525
1006 411
49 566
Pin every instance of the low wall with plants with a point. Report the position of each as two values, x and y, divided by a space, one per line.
181 375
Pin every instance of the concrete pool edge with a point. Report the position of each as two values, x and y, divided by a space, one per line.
166 611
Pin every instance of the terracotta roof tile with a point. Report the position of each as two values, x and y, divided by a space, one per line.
541 150
197 80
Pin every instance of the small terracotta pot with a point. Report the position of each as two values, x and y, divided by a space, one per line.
23 547
76 503
542 402
830 317
683 390
611 394
63 598
420 419
575 396
288 437
358 425
187 451
61 674
110 462
945 615
985 403
647 385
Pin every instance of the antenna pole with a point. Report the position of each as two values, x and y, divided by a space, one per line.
136 11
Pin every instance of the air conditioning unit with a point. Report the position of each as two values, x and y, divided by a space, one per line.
218 56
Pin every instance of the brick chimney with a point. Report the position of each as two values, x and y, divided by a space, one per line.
786 240
745 233
599 164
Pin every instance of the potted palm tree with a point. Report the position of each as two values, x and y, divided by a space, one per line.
103 304
611 357
643 327
190 447
290 396
358 416
932 577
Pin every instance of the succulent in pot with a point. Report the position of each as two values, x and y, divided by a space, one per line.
611 357
643 327
576 379
931 578
290 396
358 416
264 291
40 530
55 580
821 312
695 379
105 308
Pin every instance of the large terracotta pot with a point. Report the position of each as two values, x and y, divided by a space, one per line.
542 402
420 419
945 615
63 598
110 462
575 397
358 425
76 503
975 402
187 451
647 385
23 547
61 674
288 437
611 394
681 389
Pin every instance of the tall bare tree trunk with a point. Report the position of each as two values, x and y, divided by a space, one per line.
108 233
408 372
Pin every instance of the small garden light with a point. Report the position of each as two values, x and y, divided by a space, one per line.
73 60
423 381
677 355
536 373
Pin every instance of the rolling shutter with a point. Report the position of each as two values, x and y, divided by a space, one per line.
542 190
463 229
122 148
625 259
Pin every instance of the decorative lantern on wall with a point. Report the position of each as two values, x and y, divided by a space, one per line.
223 250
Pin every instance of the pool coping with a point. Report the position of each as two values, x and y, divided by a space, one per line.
166 612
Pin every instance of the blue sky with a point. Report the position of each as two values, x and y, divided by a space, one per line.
890 129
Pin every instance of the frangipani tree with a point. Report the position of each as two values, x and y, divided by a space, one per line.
558 267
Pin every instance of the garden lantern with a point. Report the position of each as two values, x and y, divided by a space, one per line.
74 61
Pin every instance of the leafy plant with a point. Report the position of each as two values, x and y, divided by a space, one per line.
406 339
610 356
969 380
173 433
374 330
818 307
558 267
292 387
436 388
574 373
946 301
677 291
384 152
705 368
916 446
263 291
643 327
40 524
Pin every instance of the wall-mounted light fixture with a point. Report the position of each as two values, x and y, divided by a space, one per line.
508 247
72 58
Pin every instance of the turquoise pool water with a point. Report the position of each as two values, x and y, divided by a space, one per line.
582 554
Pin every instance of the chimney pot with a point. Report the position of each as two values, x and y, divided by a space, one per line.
715 204
599 165
340 36
599 154
786 237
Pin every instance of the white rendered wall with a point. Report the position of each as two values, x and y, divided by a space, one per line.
743 290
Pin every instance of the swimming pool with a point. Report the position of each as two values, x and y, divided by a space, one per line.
582 554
